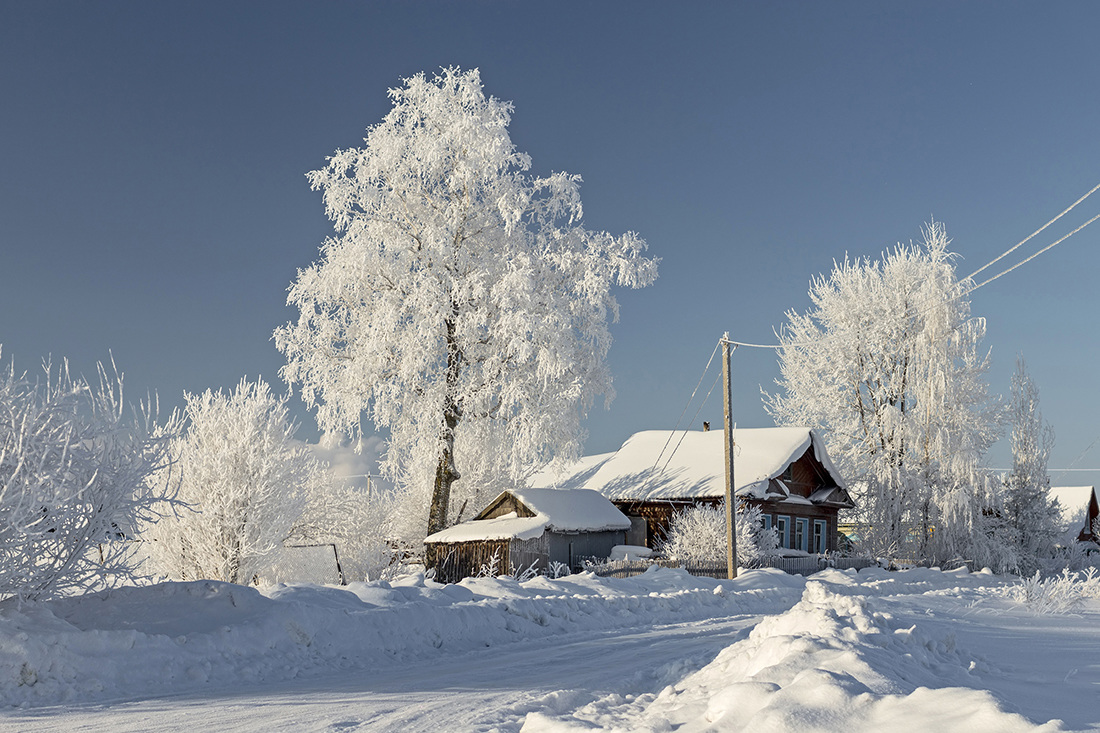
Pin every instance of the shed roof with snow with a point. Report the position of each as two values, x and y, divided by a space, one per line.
525 514
662 464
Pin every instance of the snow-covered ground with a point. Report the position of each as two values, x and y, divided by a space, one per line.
919 649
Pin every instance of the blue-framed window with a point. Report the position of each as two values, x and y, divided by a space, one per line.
821 536
783 526
766 521
801 534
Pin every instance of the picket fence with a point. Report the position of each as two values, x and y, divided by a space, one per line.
793 565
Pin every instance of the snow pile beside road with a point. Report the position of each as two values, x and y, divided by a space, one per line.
172 637
832 662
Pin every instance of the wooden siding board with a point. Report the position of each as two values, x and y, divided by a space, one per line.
453 561
505 504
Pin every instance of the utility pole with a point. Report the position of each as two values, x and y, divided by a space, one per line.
727 423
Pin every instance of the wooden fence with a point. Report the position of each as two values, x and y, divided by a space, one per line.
793 565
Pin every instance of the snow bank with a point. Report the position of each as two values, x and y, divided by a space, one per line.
832 662
145 641
919 649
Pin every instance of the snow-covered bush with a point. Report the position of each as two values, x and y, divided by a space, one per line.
245 481
557 569
78 469
698 534
359 522
1057 594
1075 556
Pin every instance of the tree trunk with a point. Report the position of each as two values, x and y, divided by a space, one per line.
446 473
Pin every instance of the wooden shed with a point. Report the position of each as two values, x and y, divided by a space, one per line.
524 528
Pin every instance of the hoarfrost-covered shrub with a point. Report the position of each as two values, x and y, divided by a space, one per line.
361 525
78 470
245 481
1063 593
698 534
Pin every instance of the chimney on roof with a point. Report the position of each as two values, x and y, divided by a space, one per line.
706 426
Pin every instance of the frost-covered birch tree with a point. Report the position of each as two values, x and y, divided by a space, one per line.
245 481
1029 516
888 362
461 301
78 470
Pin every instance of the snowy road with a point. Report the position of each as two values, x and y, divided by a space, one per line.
490 689
860 652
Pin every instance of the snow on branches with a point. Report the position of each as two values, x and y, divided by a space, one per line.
888 361
77 472
1029 518
697 534
459 297
245 481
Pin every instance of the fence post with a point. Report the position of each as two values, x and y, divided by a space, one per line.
339 569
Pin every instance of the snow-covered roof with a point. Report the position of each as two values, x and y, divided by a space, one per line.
572 475
556 510
692 463
1074 501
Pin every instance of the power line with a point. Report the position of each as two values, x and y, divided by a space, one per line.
686 406
966 292
1028 238
962 294
1029 259
696 415
1078 458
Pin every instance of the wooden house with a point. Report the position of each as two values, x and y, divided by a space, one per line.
1079 512
524 528
784 471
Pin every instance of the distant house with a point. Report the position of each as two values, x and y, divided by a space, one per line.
1079 512
784 471
528 527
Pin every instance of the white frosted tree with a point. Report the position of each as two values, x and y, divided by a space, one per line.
245 481
461 301
78 470
888 362
1029 516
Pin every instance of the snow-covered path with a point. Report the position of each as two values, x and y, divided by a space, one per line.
484 690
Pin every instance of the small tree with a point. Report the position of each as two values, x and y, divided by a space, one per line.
77 472
245 480
1030 517
461 302
698 534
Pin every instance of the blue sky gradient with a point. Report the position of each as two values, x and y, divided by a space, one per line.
153 199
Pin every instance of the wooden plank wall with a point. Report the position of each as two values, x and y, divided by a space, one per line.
454 561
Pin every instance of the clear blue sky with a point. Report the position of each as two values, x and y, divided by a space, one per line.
153 199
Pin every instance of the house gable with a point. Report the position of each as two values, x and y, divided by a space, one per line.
1080 510
505 503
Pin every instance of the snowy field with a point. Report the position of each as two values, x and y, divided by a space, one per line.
874 650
